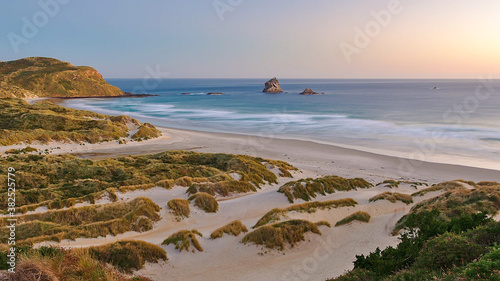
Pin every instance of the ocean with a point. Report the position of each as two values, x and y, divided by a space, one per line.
446 121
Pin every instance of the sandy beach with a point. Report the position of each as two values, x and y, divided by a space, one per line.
320 159
317 258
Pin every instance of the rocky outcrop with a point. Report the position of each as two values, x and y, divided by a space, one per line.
272 86
48 77
214 94
308 92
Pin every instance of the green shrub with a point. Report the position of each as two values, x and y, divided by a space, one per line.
458 201
485 268
447 251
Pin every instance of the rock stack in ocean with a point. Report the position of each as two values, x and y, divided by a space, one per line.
273 86
308 92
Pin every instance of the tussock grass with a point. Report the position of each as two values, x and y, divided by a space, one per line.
393 197
135 187
232 228
471 183
52 264
396 184
184 181
25 150
325 223
205 201
184 239
146 131
488 183
62 181
55 178
445 186
279 234
307 189
223 188
167 184
89 222
309 207
358 216
128 256
179 207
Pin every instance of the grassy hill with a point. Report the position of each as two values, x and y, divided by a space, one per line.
21 122
47 77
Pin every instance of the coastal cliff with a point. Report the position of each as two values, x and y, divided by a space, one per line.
47 77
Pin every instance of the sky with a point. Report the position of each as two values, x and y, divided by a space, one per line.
259 39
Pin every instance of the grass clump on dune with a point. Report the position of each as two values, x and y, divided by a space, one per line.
179 207
184 239
205 201
232 228
51 264
358 216
279 234
445 186
488 183
393 197
307 189
89 222
167 184
323 223
223 188
128 256
146 131
309 207
184 181
395 184
25 150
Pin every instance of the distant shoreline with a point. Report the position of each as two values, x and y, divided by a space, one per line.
126 95
435 159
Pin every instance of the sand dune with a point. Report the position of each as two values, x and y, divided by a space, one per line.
320 256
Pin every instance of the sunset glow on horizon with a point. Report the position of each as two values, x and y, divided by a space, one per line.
255 39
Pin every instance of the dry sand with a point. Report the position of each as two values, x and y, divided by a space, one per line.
317 258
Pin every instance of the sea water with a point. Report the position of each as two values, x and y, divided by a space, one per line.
451 121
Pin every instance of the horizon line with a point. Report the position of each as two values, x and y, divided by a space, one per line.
285 78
